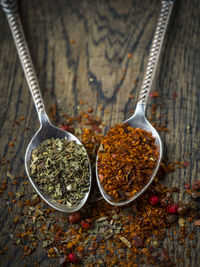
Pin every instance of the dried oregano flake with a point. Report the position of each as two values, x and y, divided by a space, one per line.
60 169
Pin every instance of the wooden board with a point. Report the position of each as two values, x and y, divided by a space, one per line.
80 51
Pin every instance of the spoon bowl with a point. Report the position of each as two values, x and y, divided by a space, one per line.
138 120
46 130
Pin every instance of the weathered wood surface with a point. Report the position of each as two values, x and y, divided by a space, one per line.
104 33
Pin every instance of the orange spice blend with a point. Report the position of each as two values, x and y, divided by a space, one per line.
126 160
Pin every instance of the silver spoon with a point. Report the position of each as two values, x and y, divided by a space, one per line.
138 119
46 130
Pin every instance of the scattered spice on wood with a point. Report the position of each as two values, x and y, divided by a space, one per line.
126 160
140 224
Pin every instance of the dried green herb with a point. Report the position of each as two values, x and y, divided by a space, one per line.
60 169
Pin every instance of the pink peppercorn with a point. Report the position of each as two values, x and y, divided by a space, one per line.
72 257
153 200
172 208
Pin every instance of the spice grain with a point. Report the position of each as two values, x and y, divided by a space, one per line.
60 169
126 160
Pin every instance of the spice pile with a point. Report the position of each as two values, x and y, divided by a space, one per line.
60 169
126 160
100 234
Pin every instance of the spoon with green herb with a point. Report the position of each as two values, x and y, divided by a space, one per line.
56 162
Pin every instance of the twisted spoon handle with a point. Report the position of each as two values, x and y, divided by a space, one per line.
11 9
155 51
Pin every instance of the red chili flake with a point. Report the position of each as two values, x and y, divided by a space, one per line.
72 257
197 223
58 236
86 224
53 111
2 252
131 96
196 185
15 123
134 207
186 163
21 118
175 95
154 94
165 253
166 201
100 107
101 178
11 144
16 219
138 241
131 217
154 107
90 110
65 128
129 55
172 208
153 200
187 186
97 129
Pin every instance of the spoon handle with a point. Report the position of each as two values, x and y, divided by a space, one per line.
10 8
156 46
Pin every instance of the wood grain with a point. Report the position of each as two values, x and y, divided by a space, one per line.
96 68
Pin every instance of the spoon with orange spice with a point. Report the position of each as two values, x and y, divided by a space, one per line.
130 154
